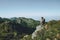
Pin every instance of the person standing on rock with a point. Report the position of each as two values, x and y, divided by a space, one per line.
39 29
42 21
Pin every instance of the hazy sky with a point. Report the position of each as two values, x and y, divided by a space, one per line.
30 8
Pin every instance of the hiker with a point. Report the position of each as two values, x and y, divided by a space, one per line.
42 21
39 29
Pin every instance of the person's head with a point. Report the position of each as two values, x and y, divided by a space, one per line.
41 17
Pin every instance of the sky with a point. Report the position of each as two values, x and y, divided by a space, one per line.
50 9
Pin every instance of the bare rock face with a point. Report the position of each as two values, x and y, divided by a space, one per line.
37 31
46 27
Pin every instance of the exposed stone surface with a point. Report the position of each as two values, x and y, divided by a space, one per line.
38 30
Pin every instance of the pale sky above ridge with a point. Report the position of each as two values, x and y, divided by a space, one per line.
30 8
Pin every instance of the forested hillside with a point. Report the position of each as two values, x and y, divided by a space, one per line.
16 28
51 31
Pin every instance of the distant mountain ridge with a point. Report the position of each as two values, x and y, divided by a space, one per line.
16 26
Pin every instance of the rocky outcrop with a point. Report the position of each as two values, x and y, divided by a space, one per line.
37 31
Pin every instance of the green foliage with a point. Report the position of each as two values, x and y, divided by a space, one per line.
17 28
50 34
